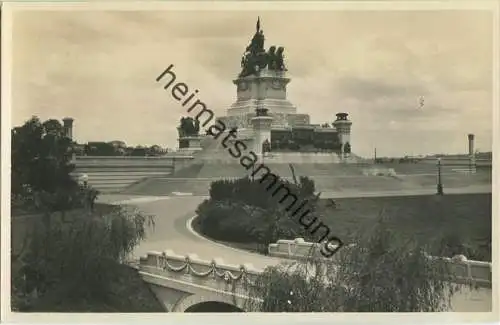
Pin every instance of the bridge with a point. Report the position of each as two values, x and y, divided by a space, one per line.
189 284
186 273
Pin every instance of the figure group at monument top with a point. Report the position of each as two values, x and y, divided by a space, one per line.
256 58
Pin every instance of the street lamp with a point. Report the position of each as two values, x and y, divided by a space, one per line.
439 183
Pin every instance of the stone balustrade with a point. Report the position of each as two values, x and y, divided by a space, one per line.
465 271
470 271
215 274
184 282
294 249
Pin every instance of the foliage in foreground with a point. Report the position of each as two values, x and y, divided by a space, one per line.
381 273
76 262
73 259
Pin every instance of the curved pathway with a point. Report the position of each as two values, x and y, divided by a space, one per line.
171 231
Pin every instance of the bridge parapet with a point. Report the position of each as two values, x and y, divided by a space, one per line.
294 249
214 274
466 271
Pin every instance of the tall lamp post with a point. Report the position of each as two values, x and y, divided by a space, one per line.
439 182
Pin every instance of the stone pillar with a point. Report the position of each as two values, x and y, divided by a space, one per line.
472 154
262 130
343 127
68 127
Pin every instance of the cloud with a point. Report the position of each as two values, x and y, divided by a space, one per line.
369 89
99 67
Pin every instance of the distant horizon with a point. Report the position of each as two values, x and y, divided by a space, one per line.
479 151
100 69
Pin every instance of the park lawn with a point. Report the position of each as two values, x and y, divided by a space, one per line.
425 218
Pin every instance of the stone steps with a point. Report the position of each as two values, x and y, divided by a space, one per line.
109 181
110 185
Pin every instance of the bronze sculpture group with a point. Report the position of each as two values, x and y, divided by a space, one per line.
256 58
189 127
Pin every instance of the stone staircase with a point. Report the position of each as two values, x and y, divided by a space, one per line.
113 174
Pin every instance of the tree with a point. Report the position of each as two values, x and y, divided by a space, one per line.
41 157
380 273
76 263
155 150
41 167
65 262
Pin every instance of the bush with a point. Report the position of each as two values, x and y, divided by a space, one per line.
243 211
224 220
253 192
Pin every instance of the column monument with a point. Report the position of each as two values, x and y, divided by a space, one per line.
343 126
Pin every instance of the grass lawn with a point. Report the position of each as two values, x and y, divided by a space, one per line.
425 218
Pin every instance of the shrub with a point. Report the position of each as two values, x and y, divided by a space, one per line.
379 274
242 210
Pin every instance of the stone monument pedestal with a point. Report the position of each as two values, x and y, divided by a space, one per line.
190 143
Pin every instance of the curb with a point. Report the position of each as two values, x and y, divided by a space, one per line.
192 231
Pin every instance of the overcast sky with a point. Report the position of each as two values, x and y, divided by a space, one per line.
100 68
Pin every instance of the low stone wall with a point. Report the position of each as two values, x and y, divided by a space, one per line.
467 271
208 280
170 264
115 173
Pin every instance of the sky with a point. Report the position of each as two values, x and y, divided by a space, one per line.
99 67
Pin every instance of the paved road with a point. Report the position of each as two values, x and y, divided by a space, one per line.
171 233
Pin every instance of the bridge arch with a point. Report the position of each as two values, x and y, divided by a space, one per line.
202 304
213 307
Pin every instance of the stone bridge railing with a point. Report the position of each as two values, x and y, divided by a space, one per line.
184 282
465 271
214 280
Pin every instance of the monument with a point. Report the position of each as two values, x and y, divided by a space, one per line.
189 137
263 113
262 82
